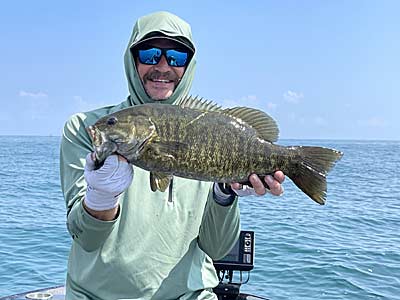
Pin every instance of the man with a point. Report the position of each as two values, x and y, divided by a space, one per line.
130 242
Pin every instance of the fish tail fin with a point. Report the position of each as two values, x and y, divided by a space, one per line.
309 169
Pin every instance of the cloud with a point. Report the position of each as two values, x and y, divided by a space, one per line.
271 106
250 97
293 117
320 121
293 97
229 103
374 122
4 117
32 94
249 101
79 104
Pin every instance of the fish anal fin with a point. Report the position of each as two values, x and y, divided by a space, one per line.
262 123
159 181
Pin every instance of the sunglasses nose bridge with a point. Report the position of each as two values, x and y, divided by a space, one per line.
162 63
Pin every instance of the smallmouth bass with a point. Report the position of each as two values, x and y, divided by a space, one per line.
199 140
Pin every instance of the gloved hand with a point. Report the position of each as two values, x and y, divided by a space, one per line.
105 185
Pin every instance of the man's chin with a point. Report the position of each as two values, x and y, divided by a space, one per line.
159 96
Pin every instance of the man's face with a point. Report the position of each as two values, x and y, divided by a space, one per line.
160 80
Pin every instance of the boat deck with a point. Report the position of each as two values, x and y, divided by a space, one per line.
57 292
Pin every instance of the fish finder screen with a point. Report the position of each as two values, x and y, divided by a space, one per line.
233 255
241 256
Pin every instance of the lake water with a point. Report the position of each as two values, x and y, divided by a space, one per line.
347 249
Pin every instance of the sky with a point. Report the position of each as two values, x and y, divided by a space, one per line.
321 69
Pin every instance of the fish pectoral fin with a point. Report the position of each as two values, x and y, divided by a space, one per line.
262 123
159 181
141 144
166 150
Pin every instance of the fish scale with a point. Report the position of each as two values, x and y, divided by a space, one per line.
199 140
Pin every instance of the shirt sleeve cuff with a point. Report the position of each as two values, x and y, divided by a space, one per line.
223 194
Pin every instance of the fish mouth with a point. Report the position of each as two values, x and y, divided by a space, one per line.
95 135
101 146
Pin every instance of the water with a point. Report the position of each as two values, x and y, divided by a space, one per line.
34 243
347 249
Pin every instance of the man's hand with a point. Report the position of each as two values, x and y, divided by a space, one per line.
105 185
274 184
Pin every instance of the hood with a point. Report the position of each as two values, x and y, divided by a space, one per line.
167 24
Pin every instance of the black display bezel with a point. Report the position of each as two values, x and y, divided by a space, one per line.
235 259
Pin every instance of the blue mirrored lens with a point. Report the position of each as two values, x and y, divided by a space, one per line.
176 58
150 56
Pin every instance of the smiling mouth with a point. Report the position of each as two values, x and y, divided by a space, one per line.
162 80
161 77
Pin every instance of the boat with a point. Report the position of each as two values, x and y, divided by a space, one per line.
224 292
52 293
239 260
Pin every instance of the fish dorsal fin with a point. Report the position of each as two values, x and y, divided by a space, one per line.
264 124
199 103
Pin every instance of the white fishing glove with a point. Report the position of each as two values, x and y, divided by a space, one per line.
106 184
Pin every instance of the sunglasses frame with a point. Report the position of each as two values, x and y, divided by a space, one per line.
189 52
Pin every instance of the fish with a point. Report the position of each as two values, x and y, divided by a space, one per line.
198 139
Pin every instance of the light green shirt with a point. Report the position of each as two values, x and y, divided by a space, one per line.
162 244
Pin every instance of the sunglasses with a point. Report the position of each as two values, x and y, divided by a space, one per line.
152 56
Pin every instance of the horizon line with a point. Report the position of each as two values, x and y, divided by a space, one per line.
286 138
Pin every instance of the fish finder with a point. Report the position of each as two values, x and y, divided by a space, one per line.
241 257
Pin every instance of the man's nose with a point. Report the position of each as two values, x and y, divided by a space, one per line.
162 64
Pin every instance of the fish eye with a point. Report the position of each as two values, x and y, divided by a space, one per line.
112 121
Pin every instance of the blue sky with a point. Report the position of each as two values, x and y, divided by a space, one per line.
322 69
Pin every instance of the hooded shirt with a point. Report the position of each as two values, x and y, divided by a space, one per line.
161 244
164 24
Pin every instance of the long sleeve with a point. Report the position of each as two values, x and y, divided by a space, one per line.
86 230
161 243
220 228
